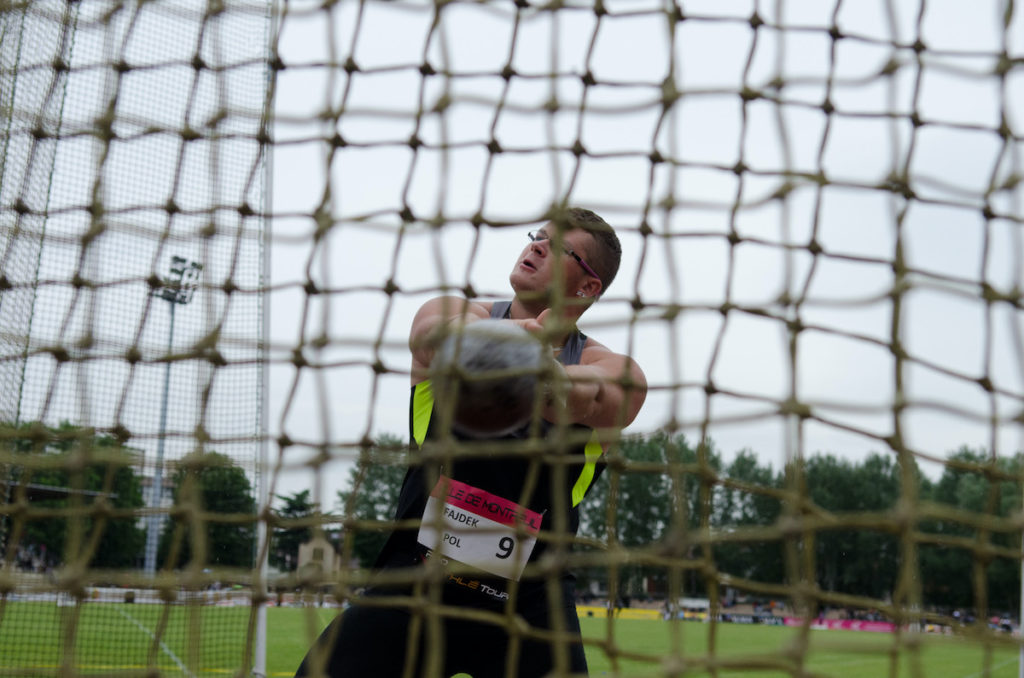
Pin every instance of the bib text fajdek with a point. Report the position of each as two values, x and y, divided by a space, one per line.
478 528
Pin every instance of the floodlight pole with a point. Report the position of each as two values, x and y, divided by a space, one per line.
178 288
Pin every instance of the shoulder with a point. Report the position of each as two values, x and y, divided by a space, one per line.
621 386
431 321
595 350
453 307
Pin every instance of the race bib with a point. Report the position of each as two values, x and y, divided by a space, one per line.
478 528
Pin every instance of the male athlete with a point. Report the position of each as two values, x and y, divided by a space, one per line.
495 510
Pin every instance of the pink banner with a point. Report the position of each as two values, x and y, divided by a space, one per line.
486 505
845 624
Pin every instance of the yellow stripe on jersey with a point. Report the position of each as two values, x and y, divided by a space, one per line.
422 406
592 452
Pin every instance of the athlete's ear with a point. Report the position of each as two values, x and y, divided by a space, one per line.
591 288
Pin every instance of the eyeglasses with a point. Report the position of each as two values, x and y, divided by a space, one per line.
537 236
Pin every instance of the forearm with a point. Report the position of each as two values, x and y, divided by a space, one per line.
603 395
437 319
574 394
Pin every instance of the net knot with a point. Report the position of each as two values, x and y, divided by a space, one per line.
59 353
121 434
442 104
891 67
215 357
793 406
202 436
669 92
750 94
898 184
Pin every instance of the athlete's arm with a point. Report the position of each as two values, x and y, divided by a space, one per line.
432 321
605 390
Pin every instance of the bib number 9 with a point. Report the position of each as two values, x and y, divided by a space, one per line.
479 529
505 547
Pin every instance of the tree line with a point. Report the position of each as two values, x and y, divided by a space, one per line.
71 495
870 528
877 527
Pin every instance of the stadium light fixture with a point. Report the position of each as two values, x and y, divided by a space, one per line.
181 284
178 289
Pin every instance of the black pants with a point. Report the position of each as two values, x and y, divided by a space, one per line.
367 641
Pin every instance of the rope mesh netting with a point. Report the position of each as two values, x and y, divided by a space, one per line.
217 223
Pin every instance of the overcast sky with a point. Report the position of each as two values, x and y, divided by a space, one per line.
779 197
845 368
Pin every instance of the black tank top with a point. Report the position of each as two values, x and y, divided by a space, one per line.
504 471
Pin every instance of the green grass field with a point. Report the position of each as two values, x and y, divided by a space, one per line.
750 650
116 638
